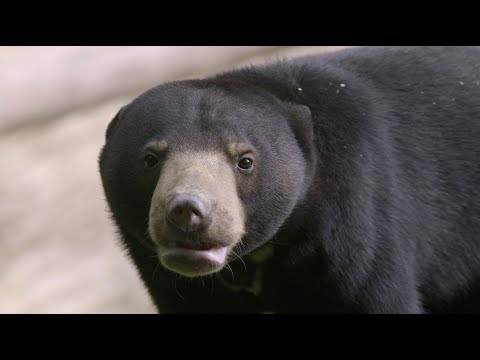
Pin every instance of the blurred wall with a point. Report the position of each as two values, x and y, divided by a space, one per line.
58 249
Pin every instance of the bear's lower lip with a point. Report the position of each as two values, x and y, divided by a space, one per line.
192 262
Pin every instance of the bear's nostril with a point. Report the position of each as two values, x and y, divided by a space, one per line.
178 211
196 212
188 213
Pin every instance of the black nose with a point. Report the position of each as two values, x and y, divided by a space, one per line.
187 212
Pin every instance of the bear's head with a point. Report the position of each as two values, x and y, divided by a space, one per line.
204 173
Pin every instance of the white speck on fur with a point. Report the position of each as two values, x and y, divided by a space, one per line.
299 89
342 85
462 83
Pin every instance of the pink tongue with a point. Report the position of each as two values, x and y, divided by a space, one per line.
216 255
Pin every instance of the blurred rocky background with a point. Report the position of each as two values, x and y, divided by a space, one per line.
58 249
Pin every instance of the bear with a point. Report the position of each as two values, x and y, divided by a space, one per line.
344 182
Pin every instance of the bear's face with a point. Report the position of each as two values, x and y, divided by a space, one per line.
204 175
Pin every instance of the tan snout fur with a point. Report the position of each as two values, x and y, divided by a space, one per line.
200 173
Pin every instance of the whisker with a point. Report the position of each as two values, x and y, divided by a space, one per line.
154 271
231 271
244 265
175 285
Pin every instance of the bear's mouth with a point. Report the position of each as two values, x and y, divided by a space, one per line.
194 260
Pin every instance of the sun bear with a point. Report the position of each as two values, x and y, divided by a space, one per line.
345 182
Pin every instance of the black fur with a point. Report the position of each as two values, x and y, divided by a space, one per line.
369 192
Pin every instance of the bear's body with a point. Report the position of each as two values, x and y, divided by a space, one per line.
368 203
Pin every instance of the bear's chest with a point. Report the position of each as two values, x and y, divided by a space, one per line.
279 287
276 288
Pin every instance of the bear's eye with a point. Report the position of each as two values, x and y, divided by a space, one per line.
245 163
150 161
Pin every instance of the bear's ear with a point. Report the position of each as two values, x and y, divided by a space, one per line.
301 122
114 122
